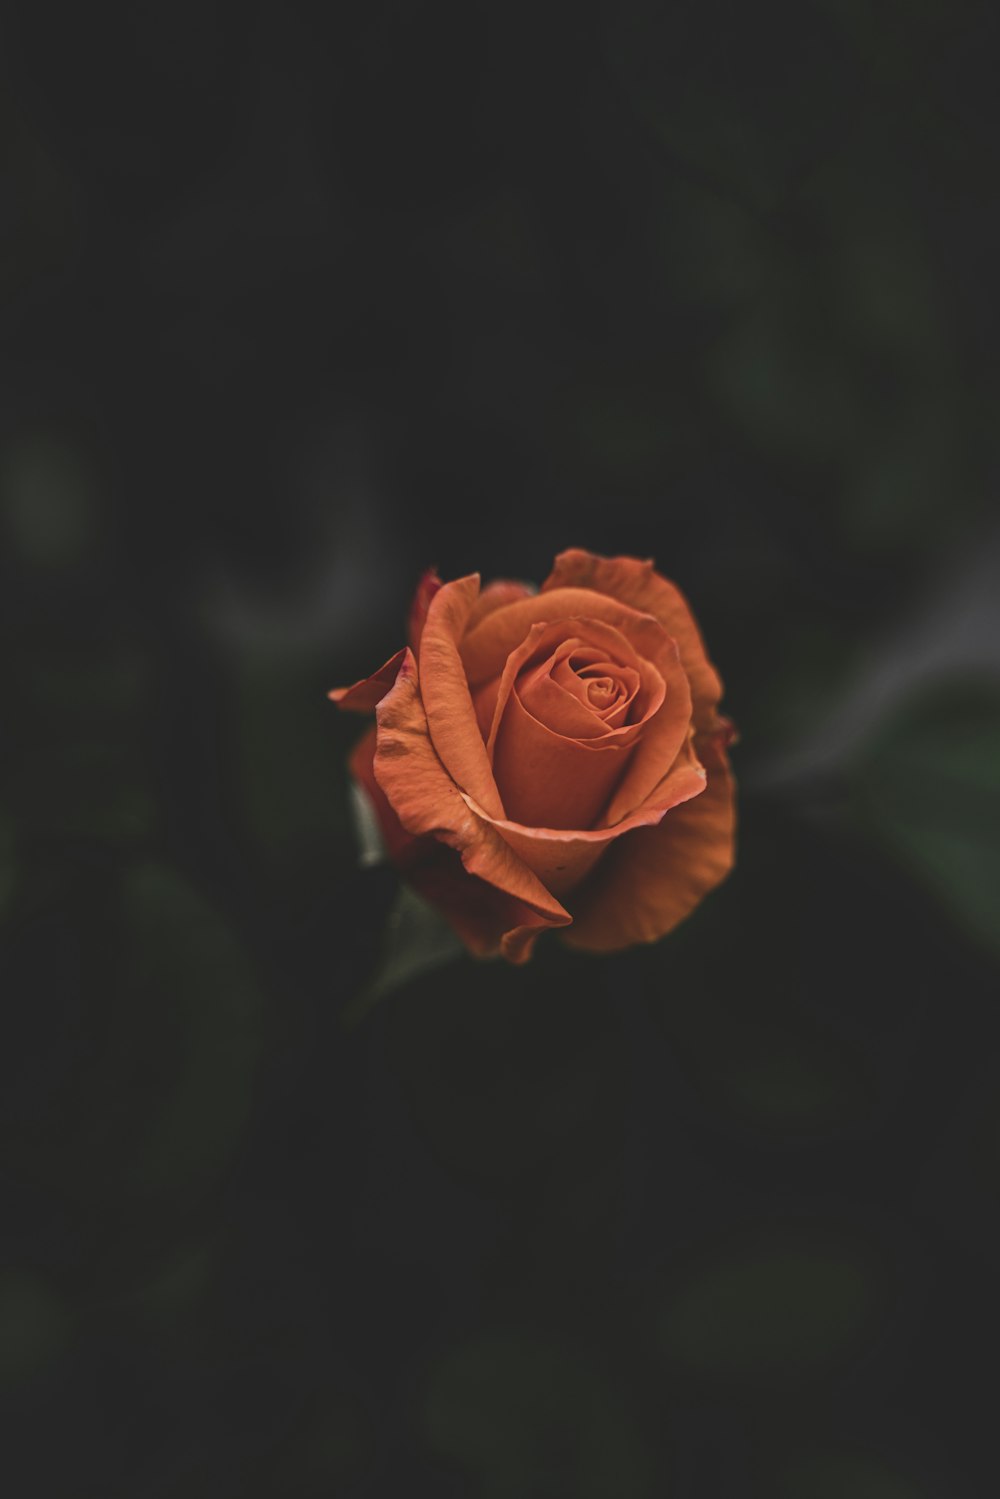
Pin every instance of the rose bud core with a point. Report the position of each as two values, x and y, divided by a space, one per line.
551 759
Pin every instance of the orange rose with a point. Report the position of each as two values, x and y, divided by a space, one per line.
551 759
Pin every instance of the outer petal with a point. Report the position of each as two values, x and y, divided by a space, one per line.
641 587
486 920
655 876
426 800
447 701
563 858
426 589
364 696
494 596
401 847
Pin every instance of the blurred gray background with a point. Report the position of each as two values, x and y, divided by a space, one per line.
298 301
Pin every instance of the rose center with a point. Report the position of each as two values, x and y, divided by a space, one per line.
601 691
603 687
563 723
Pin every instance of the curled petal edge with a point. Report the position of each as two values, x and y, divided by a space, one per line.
426 801
425 591
446 701
562 858
364 696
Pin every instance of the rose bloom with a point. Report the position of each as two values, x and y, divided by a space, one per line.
551 759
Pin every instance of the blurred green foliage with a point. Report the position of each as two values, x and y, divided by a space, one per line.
181 963
771 1311
543 1120
520 1416
34 1327
336 1452
833 1474
282 750
85 773
46 494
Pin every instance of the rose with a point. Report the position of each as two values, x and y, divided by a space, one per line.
551 759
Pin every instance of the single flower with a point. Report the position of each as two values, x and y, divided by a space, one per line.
551 759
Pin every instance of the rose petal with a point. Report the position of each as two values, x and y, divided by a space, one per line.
400 846
486 645
559 704
364 696
447 700
426 589
658 739
638 585
484 702
495 595
487 920
557 695
655 876
663 734
563 858
427 801
548 780
542 638
610 691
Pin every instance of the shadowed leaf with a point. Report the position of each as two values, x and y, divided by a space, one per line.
416 940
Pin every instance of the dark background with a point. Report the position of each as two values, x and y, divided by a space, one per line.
296 303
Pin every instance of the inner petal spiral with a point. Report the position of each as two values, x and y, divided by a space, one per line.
576 690
567 713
